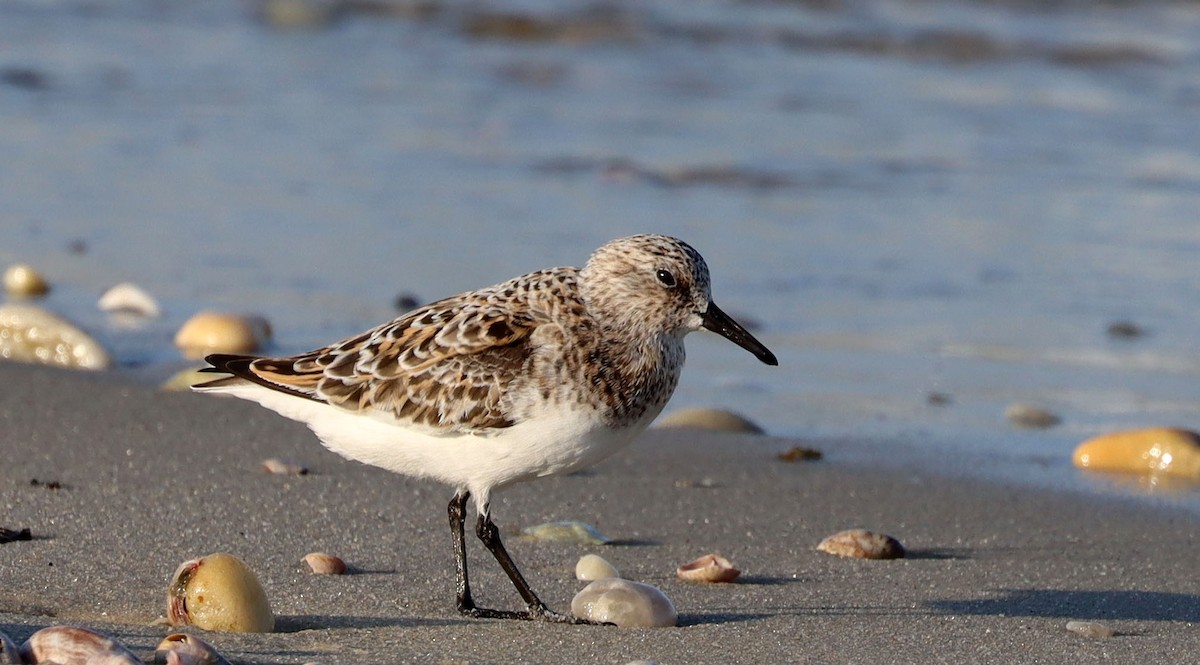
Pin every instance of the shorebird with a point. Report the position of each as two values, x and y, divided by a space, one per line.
544 374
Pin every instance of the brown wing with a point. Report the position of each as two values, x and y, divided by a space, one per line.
446 366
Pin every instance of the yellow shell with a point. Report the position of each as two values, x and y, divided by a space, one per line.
713 420
21 280
219 592
1152 450
216 332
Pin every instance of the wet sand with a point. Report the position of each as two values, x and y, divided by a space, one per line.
149 479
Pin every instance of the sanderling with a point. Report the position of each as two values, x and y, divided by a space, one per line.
543 374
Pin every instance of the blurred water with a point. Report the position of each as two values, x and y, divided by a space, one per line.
906 197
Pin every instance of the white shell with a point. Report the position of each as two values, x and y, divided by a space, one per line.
713 420
129 297
33 335
592 567
68 645
21 280
1090 629
624 603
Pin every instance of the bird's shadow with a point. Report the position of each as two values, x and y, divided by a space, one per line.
1061 603
295 623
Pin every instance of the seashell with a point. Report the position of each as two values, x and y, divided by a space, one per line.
129 298
281 467
22 281
592 567
325 564
184 379
577 533
713 420
1153 450
218 592
68 645
1090 629
215 332
33 335
624 603
9 653
708 568
188 650
1030 416
862 544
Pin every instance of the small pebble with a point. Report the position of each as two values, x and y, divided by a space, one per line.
592 567
711 568
23 281
800 454
322 563
1031 416
624 603
215 332
713 420
577 533
862 544
938 399
406 302
1125 330
33 335
129 298
1163 450
280 467
1090 629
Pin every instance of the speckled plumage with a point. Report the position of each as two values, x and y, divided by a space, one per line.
543 374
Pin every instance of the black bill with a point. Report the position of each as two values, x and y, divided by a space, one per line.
719 322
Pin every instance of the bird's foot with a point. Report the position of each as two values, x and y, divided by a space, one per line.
534 613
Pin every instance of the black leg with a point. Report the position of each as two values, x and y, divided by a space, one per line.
490 536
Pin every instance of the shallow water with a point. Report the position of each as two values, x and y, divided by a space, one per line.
905 197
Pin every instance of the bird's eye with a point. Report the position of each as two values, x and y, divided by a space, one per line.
665 278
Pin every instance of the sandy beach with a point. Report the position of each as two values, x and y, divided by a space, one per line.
149 479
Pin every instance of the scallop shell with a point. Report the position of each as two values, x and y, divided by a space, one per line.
187 650
862 544
322 563
129 298
713 420
219 592
624 603
1152 450
22 281
68 645
708 568
215 332
31 334
592 567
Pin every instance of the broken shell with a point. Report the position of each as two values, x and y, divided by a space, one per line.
325 564
1153 450
215 332
862 544
129 298
68 645
219 592
21 280
624 603
280 467
1031 416
566 532
592 567
708 568
33 335
713 420
1090 629
800 454
9 654
190 650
